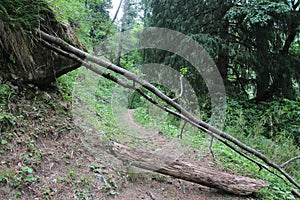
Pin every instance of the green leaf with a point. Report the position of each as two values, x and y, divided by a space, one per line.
4 142
27 169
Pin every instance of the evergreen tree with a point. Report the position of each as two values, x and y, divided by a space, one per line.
100 20
251 42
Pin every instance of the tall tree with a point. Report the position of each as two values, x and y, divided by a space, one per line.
130 13
125 11
268 28
99 20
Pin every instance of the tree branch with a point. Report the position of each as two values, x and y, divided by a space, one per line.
181 89
116 14
181 132
289 161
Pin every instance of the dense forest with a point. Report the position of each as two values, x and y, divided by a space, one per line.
225 75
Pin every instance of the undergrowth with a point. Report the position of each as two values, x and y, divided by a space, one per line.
271 128
27 116
41 153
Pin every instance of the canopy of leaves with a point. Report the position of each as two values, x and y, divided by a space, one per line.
90 19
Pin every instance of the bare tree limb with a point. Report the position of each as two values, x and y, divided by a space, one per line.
224 137
181 89
112 21
210 147
181 132
120 49
289 161
295 193
116 14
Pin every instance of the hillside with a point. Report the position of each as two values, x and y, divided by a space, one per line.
44 155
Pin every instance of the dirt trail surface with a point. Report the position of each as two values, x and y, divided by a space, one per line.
149 185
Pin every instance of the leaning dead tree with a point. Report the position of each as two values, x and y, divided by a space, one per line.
63 48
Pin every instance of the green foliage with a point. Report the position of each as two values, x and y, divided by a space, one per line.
23 176
248 40
271 128
258 12
132 174
277 120
158 178
110 186
4 142
131 60
278 188
90 19
28 15
183 70
66 83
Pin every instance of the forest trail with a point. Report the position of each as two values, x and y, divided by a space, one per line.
152 140
148 185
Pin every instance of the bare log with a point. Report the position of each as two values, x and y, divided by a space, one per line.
184 114
229 183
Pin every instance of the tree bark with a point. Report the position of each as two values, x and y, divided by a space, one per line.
229 183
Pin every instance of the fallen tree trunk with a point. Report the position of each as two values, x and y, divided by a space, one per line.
229 183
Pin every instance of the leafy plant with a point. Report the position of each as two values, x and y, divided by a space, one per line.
4 142
95 169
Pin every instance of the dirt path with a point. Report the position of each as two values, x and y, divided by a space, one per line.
151 140
150 186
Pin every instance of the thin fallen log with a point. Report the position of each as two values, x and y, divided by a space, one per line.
295 193
184 114
229 183
150 99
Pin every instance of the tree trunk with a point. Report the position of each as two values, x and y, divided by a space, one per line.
223 53
125 10
219 180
